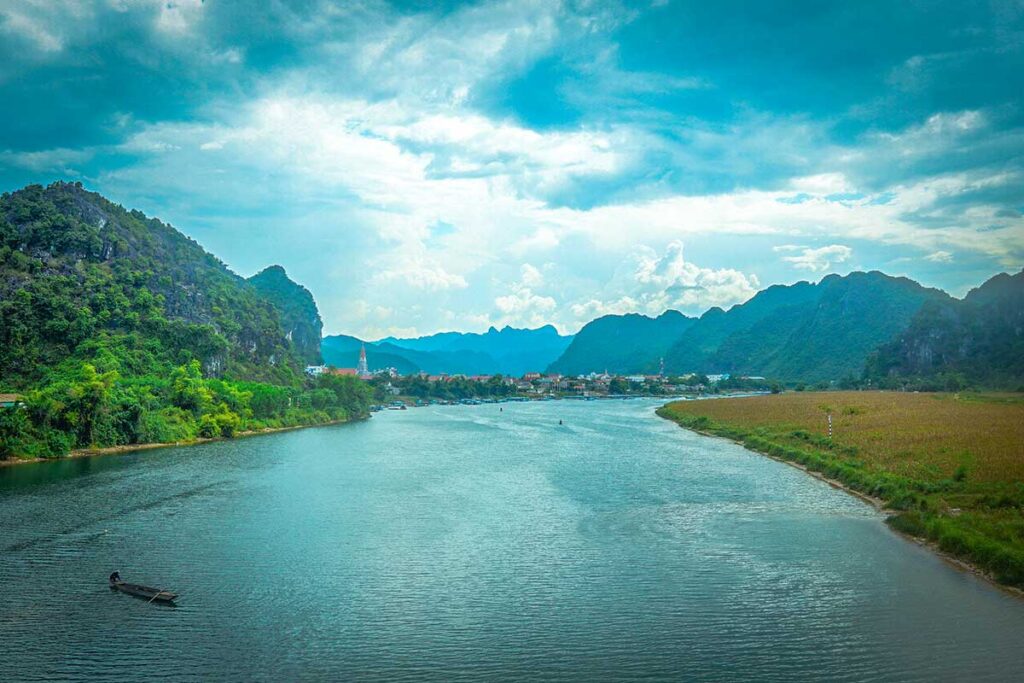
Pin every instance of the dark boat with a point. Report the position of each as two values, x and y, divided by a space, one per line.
151 594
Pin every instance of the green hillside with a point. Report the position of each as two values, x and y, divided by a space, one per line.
977 341
119 330
803 332
85 278
622 344
299 315
826 339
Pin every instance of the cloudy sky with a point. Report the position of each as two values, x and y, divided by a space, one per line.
428 166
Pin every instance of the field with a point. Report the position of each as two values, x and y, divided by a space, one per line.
951 466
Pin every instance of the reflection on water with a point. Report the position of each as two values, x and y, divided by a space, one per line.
464 543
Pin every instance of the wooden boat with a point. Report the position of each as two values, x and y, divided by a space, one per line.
151 594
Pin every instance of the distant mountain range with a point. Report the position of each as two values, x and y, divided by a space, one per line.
822 332
803 332
861 326
508 351
85 280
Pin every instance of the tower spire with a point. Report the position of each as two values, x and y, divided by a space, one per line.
363 368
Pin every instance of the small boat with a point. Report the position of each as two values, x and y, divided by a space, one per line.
151 594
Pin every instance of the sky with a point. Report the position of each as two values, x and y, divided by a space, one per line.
430 166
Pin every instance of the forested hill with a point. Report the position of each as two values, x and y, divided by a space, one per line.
118 330
622 344
819 333
803 332
299 314
84 278
955 343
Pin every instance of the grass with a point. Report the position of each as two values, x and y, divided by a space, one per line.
951 466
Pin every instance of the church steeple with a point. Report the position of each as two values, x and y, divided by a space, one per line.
363 368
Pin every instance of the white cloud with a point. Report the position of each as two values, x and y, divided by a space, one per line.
820 259
421 275
532 277
940 257
673 282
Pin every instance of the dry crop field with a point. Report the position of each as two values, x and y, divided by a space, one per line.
923 436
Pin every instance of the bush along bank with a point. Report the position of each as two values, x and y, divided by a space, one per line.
83 408
979 524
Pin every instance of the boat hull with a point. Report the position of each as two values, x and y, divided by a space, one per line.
145 592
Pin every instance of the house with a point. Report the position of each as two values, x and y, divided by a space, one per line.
11 401
530 376
344 372
315 370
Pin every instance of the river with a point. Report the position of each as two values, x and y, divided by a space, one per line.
469 543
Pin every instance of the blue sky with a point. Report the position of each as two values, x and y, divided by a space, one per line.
430 166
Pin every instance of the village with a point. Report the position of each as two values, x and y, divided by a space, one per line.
423 388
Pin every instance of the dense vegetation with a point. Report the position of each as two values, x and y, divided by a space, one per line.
120 330
622 344
808 333
950 466
299 315
453 389
82 277
952 344
84 408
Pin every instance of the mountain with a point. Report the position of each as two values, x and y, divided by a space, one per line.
803 332
513 351
622 344
343 351
299 314
691 350
84 278
977 340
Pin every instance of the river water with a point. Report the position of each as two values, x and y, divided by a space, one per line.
472 543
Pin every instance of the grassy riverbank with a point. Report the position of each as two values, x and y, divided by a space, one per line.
951 467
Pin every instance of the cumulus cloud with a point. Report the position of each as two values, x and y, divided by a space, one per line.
816 260
658 281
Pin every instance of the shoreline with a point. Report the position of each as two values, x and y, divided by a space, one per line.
878 504
200 441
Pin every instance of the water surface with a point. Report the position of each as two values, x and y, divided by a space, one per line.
475 543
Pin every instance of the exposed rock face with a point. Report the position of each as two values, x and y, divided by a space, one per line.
300 317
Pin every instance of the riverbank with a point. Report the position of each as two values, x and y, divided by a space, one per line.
945 468
131 448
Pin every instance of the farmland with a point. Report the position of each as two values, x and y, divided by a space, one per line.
951 467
